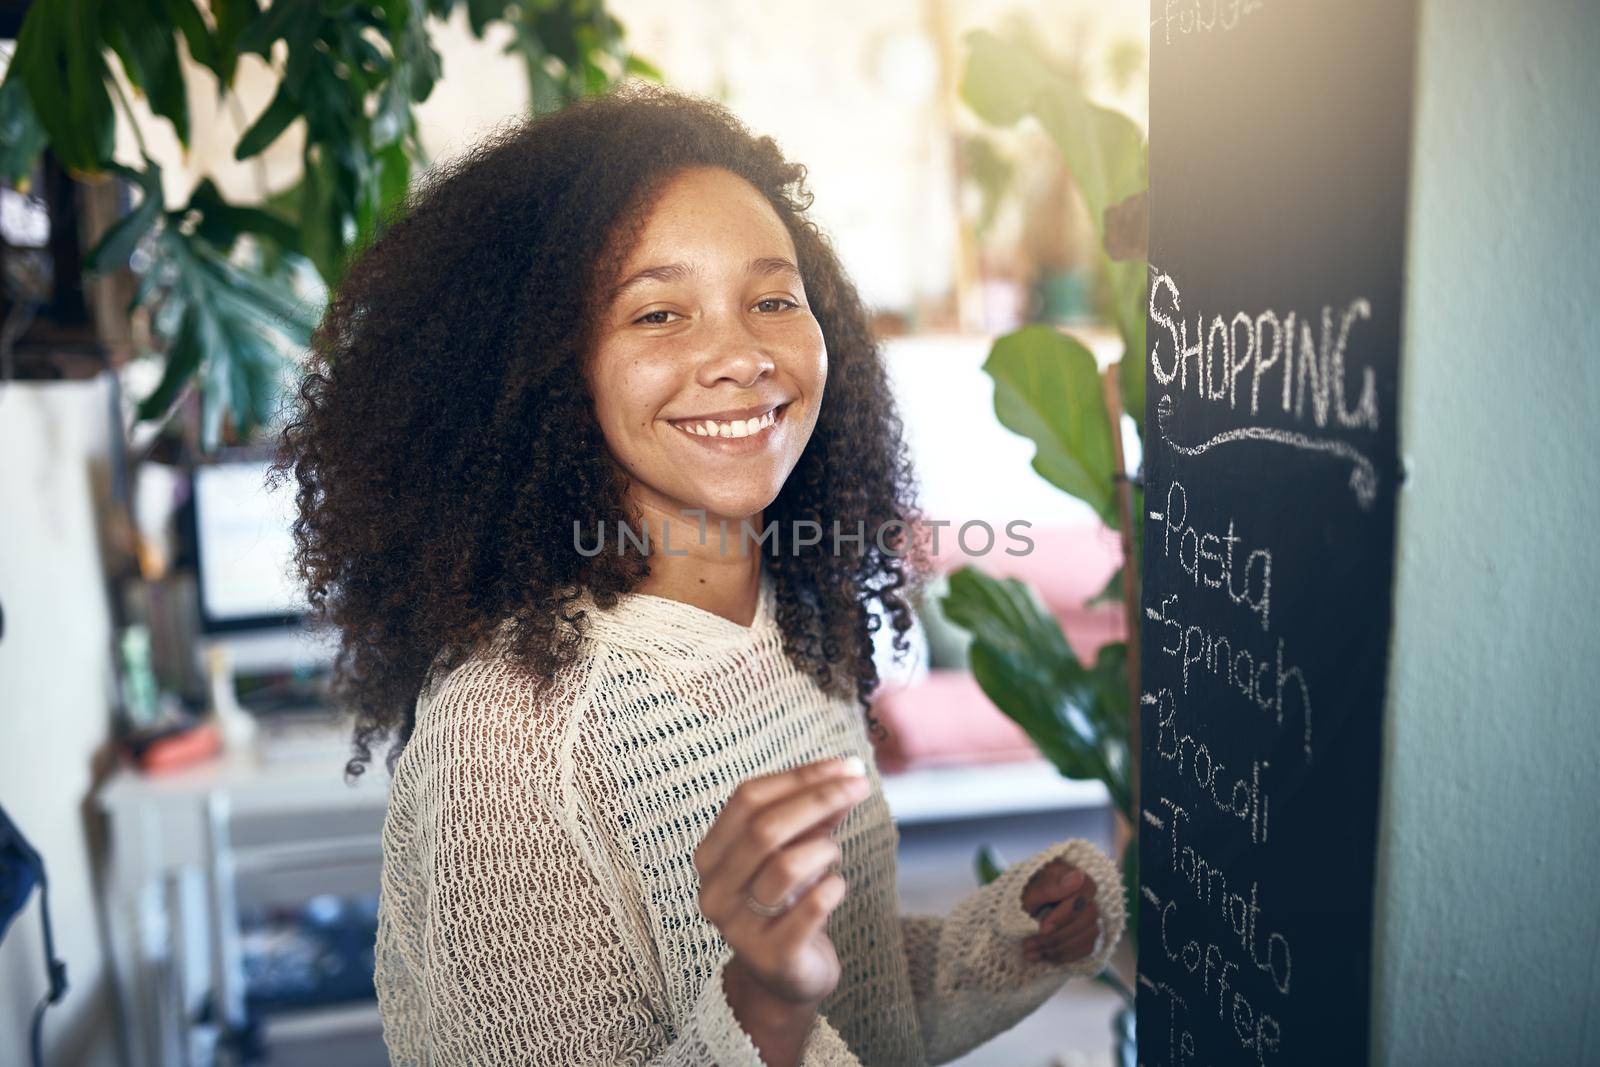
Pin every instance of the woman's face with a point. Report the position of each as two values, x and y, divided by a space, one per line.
709 323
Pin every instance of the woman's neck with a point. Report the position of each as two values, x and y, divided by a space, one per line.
722 576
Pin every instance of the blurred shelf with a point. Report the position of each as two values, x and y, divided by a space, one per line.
315 1024
976 791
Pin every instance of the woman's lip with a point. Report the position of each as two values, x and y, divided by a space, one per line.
725 444
731 416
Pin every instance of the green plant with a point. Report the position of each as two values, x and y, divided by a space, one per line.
229 287
1083 717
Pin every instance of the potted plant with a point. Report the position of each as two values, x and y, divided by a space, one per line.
1082 716
228 290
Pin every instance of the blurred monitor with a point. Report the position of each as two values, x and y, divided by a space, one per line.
249 597
244 548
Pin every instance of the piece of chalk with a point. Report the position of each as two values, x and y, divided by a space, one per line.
854 765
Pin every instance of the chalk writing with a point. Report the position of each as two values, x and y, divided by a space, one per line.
1209 882
1201 16
1314 370
1363 476
1197 549
1272 684
1246 800
1255 1028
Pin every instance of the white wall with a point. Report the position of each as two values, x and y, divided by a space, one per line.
1488 938
56 688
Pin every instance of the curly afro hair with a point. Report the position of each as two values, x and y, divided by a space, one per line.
444 440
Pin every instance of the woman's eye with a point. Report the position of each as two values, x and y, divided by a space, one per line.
784 304
651 319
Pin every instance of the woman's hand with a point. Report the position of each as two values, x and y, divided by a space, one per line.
773 841
1062 898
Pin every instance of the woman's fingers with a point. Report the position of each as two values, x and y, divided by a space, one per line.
790 871
808 914
1050 884
781 822
1072 939
1068 911
1070 921
751 796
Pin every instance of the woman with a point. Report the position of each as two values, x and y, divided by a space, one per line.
634 815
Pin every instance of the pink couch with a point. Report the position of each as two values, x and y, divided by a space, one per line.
945 718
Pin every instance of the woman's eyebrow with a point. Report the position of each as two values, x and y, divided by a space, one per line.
768 265
671 272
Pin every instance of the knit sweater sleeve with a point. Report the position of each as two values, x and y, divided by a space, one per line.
969 977
526 961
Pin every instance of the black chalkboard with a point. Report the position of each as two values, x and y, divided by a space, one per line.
1279 154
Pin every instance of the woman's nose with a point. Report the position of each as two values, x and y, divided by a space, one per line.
732 350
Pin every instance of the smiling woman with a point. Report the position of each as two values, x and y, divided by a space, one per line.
635 815
708 372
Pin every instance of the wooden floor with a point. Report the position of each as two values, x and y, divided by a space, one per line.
1073 1028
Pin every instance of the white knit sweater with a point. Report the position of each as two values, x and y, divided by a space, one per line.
539 904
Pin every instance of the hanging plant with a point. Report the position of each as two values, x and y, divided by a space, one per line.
231 291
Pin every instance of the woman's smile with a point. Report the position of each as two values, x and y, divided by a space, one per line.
735 436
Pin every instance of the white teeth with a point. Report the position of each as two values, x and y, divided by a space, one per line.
736 428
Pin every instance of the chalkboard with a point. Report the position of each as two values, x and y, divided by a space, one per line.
1280 138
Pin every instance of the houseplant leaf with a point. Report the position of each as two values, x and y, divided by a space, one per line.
22 136
231 17
148 48
184 15
182 357
58 57
988 864
269 125
111 252
1047 388
1022 662
221 223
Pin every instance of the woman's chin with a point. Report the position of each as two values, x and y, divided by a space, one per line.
732 511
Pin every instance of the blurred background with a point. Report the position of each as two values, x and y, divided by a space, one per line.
181 184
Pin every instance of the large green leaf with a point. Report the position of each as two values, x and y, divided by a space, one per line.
1103 148
394 179
418 65
187 18
481 12
22 136
111 252
182 357
1005 81
262 300
282 18
1022 662
1047 388
58 58
232 17
1108 157
1002 81
221 223
321 223
242 375
144 40
269 126
227 324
